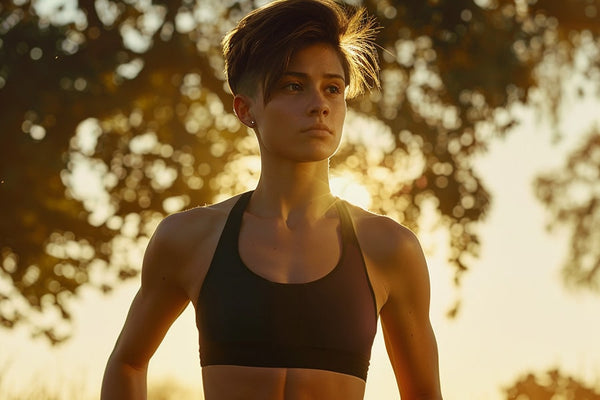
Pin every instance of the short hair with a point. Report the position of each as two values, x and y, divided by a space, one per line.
260 47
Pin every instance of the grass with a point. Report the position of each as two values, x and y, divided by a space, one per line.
77 389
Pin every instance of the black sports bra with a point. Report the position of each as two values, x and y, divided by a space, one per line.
245 319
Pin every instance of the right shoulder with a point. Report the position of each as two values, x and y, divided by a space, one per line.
183 238
183 230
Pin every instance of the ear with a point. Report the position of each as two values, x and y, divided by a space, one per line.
242 106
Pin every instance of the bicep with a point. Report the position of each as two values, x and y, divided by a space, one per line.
409 337
412 349
148 320
159 301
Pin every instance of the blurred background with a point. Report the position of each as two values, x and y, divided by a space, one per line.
484 139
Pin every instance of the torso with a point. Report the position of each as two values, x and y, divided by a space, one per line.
202 231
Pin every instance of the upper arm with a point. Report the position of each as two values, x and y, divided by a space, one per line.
409 337
159 301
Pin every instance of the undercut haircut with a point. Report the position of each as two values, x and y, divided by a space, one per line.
259 49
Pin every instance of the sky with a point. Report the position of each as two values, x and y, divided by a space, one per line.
516 314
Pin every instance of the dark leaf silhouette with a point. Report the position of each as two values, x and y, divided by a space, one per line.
572 195
551 385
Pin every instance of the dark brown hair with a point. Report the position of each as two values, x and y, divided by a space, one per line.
260 47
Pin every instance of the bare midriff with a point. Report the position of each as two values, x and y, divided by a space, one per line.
232 382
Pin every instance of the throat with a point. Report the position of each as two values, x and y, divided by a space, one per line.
298 220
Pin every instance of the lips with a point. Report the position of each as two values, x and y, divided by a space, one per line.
318 127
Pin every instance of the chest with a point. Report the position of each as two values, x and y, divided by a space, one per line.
287 298
260 307
279 254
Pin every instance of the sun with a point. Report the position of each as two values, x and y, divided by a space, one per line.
346 187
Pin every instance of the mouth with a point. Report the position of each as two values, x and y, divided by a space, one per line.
318 128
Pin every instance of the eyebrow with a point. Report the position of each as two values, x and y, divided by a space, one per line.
305 75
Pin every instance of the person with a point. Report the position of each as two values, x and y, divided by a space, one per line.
288 281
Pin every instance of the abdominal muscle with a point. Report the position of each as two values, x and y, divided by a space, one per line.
232 382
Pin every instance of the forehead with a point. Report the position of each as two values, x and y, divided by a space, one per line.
317 59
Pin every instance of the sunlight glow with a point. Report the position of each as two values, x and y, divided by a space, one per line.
346 187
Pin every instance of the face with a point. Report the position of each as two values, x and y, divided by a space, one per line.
303 120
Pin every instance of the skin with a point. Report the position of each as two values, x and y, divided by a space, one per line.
289 213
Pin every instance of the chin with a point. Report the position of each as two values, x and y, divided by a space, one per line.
316 155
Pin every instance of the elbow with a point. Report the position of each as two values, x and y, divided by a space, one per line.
433 393
429 396
123 380
127 365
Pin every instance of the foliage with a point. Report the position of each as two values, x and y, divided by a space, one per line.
36 390
76 389
171 389
134 94
572 196
554 384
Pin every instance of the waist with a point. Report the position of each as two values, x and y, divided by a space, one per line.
229 382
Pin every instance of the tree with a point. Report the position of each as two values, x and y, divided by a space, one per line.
550 385
134 92
572 196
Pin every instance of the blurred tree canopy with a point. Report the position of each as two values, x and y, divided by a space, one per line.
554 384
113 114
572 196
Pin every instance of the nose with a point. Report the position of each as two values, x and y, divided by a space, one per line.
319 106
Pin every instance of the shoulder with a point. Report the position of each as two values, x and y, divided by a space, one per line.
392 252
180 230
382 237
180 236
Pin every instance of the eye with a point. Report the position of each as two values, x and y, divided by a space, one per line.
334 89
293 87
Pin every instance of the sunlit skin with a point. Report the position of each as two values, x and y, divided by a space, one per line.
289 216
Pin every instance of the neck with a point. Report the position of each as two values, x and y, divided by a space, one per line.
295 192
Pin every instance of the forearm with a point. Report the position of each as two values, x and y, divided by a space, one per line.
123 381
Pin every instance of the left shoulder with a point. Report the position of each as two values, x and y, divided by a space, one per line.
393 257
382 238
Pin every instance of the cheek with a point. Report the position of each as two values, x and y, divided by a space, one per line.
274 122
280 115
340 116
